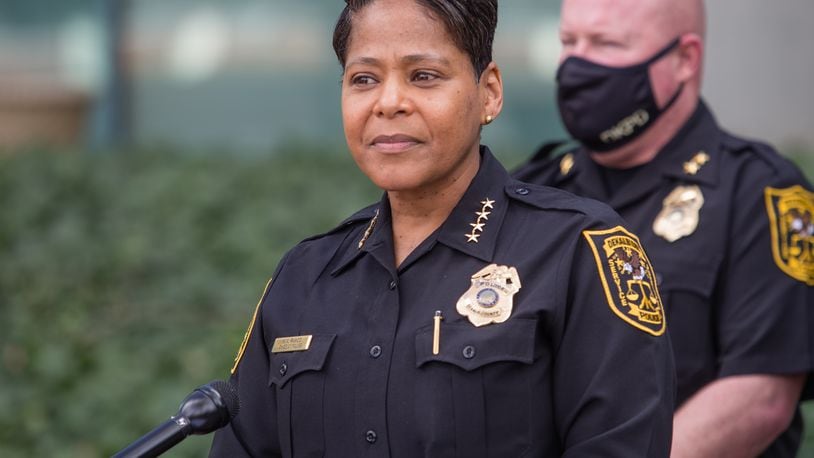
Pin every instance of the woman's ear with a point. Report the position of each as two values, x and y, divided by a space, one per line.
491 89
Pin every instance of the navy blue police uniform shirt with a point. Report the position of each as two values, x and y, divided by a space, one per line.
728 225
536 355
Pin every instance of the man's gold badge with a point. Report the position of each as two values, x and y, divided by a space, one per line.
791 215
628 278
489 299
679 216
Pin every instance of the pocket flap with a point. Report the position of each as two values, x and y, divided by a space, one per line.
688 274
283 366
470 347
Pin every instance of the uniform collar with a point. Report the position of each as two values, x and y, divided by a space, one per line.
699 136
474 224
472 227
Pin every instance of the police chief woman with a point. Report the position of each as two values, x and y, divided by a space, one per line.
439 322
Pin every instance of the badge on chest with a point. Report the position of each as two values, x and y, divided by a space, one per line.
489 298
679 216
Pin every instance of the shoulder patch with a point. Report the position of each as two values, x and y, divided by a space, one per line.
791 217
248 333
628 278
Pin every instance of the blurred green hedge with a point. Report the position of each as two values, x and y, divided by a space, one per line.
128 279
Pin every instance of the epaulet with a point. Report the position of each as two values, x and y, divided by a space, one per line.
765 152
363 216
544 159
549 198
551 150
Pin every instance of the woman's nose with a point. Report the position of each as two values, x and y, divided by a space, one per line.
393 99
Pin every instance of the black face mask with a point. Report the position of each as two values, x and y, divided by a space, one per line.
604 107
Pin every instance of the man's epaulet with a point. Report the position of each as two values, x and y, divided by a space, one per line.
551 149
737 145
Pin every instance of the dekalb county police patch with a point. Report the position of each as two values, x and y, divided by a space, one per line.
791 216
628 278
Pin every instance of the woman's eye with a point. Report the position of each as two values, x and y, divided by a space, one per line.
424 76
362 80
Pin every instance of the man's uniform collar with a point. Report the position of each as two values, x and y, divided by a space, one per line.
692 156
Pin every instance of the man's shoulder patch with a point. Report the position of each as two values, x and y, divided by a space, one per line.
628 278
791 217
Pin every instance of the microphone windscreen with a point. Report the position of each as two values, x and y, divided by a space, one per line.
231 398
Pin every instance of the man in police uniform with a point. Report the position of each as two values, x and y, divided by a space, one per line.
726 221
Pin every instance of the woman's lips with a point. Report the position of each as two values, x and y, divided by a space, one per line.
394 143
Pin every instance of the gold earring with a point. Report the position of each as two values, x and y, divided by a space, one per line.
489 119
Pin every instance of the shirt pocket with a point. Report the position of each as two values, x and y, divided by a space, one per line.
687 288
300 380
476 390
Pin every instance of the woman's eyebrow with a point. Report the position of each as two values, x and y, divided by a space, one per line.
409 59
419 58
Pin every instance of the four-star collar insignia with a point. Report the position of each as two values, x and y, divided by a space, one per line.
480 222
489 298
791 214
628 279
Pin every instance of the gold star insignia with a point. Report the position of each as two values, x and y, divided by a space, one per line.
369 229
692 166
479 223
566 164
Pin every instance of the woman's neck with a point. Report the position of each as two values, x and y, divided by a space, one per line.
417 214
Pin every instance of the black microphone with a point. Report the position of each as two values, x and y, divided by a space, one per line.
206 409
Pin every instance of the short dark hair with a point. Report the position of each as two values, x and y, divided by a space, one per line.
470 23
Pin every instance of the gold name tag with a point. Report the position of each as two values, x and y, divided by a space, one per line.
288 344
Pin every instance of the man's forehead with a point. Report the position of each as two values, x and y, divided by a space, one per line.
616 18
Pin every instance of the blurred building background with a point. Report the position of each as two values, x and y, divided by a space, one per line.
250 75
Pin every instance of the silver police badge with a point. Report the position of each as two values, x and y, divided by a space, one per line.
489 299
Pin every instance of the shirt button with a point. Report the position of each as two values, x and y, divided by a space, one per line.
375 351
283 368
522 191
393 284
371 436
469 352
